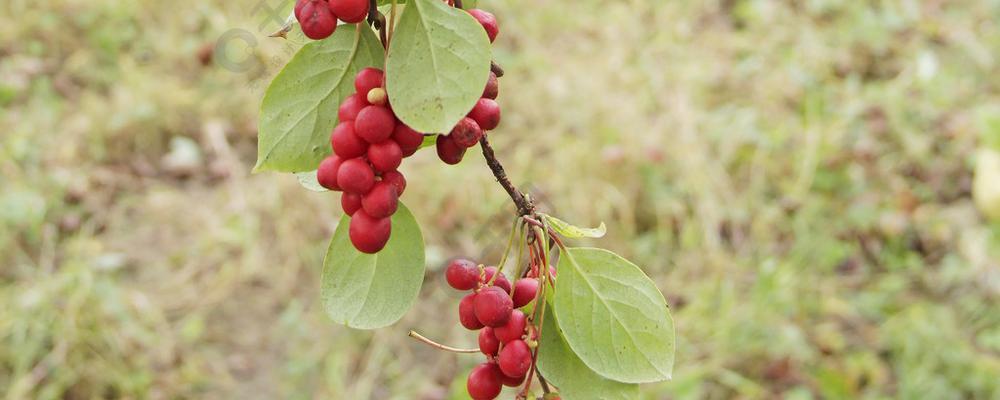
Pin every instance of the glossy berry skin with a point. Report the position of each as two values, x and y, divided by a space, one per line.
484 382
500 282
327 172
396 179
408 139
488 342
486 113
525 290
350 107
448 151
346 143
467 312
374 124
368 79
462 274
350 203
488 21
492 89
513 329
466 133
350 11
369 234
493 306
385 156
515 359
381 201
316 20
511 382
355 176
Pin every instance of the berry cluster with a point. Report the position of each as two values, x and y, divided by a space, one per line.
485 116
318 18
506 334
368 144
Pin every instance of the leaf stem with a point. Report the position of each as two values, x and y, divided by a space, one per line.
525 207
415 335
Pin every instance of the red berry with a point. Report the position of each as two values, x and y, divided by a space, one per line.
513 329
511 382
346 143
385 156
350 11
368 79
316 20
396 179
466 133
500 282
462 274
488 21
467 312
408 139
493 306
484 382
350 107
299 5
355 176
525 290
369 234
488 343
381 201
374 124
486 113
448 151
350 202
327 172
515 359
492 89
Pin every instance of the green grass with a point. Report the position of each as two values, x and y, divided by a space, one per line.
795 177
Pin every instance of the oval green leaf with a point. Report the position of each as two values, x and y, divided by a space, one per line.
300 106
308 181
572 231
438 64
613 317
369 291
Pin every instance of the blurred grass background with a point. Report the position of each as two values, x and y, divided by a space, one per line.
794 175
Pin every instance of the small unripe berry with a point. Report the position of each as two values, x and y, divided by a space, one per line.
493 306
385 156
327 172
408 139
369 234
368 79
484 382
316 20
448 151
350 203
525 290
377 96
350 107
466 133
374 124
500 282
492 89
515 359
381 201
488 342
346 143
467 312
462 274
486 113
355 176
488 21
513 329
397 180
350 11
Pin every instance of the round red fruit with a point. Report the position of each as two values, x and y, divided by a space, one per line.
515 359
488 21
381 201
316 20
328 171
462 274
488 342
385 156
484 382
355 176
346 143
374 124
511 382
397 180
493 306
486 113
369 234
350 11
350 107
525 290
513 329
492 89
368 79
408 139
467 312
448 151
350 202
500 282
466 133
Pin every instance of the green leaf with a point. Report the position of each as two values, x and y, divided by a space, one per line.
300 107
308 181
613 317
563 368
438 64
368 291
571 231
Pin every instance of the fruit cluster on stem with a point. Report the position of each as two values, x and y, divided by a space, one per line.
318 18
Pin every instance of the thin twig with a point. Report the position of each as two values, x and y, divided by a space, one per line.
415 335
524 206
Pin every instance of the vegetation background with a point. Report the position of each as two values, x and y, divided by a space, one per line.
794 175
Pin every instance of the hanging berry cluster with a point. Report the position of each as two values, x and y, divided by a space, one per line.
318 18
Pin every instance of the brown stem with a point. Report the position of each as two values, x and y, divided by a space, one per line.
496 69
458 4
524 205
543 382
415 335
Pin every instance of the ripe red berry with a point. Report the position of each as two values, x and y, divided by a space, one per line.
466 133
525 290
492 89
350 203
513 329
346 143
511 382
467 312
316 19
350 107
355 176
488 342
350 11
327 172
408 139
368 79
374 124
385 156
493 306
448 151
484 382
462 274
486 113
396 179
369 234
488 21
515 359
500 282
381 201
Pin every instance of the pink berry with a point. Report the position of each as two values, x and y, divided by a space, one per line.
467 312
374 124
350 107
316 20
381 201
462 274
492 89
486 113
408 139
513 329
368 79
350 11
369 234
484 382
511 382
466 133
525 291
355 176
448 151
346 143
488 21
327 172
515 359
488 342
500 282
350 203
385 156
397 180
493 306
